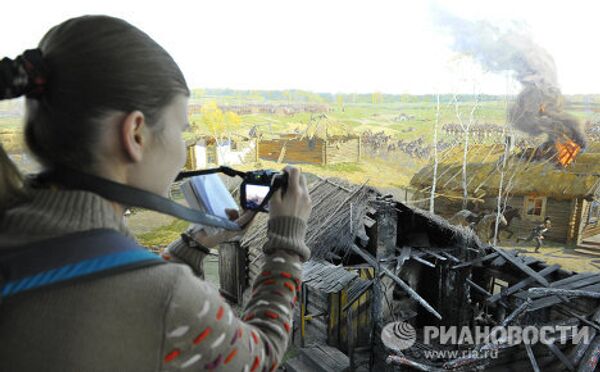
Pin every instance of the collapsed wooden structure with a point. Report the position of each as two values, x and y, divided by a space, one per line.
376 261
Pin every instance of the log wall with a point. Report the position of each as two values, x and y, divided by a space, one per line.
560 211
305 151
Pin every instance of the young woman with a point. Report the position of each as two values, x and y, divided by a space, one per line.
105 99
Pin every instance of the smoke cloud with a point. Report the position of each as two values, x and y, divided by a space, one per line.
539 106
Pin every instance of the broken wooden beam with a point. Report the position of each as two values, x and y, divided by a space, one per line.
434 254
562 357
570 279
404 361
475 261
534 364
591 357
521 266
411 292
451 257
483 291
404 255
518 311
582 347
522 284
478 288
423 261
541 292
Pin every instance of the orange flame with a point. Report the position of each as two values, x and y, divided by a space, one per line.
542 108
566 151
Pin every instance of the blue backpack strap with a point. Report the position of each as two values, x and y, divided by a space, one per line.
69 258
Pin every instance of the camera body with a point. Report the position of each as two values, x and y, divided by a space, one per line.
258 186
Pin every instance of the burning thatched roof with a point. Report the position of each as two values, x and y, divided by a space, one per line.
524 175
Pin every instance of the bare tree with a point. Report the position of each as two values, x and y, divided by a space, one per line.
466 127
435 156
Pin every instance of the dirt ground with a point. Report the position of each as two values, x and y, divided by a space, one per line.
555 253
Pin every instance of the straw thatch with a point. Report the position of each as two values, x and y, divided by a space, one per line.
525 175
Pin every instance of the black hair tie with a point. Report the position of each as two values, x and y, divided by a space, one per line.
25 75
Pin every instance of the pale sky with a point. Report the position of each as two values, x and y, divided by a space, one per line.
329 46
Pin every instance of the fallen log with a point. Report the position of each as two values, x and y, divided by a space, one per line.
541 292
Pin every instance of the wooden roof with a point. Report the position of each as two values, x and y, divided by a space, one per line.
524 175
327 277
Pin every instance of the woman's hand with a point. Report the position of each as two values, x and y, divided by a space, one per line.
295 202
211 241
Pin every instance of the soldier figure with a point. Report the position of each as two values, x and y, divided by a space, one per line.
537 233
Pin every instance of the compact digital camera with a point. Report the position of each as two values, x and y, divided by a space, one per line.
258 186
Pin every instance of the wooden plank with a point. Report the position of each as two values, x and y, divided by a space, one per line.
404 255
411 292
580 283
528 260
434 254
570 279
522 284
591 357
499 261
562 357
521 266
582 347
516 313
476 261
563 292
554 299
534 364
423 261
451 257
478 288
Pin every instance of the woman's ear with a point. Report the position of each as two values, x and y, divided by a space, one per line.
134 135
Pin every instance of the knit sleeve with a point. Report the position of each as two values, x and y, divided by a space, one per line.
179 252
203 332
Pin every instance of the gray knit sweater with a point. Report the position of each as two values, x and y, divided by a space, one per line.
158 318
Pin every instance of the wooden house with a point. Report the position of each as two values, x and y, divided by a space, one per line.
315 150
208 151
540 188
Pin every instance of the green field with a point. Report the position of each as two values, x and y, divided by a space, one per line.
349 114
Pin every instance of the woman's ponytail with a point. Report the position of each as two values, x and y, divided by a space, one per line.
23 76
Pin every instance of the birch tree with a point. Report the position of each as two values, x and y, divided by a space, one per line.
466 128
435 156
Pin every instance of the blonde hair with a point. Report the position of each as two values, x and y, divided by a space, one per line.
12 186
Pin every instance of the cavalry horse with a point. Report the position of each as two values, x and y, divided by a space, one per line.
484 224
466 218
510 213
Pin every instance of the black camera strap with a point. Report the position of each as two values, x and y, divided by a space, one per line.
131 196
233 173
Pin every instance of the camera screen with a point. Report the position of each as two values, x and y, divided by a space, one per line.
255 194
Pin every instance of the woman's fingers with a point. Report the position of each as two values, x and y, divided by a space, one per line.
293 178
232 214
277 197
246 217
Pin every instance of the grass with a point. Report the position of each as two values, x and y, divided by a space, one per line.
163 235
